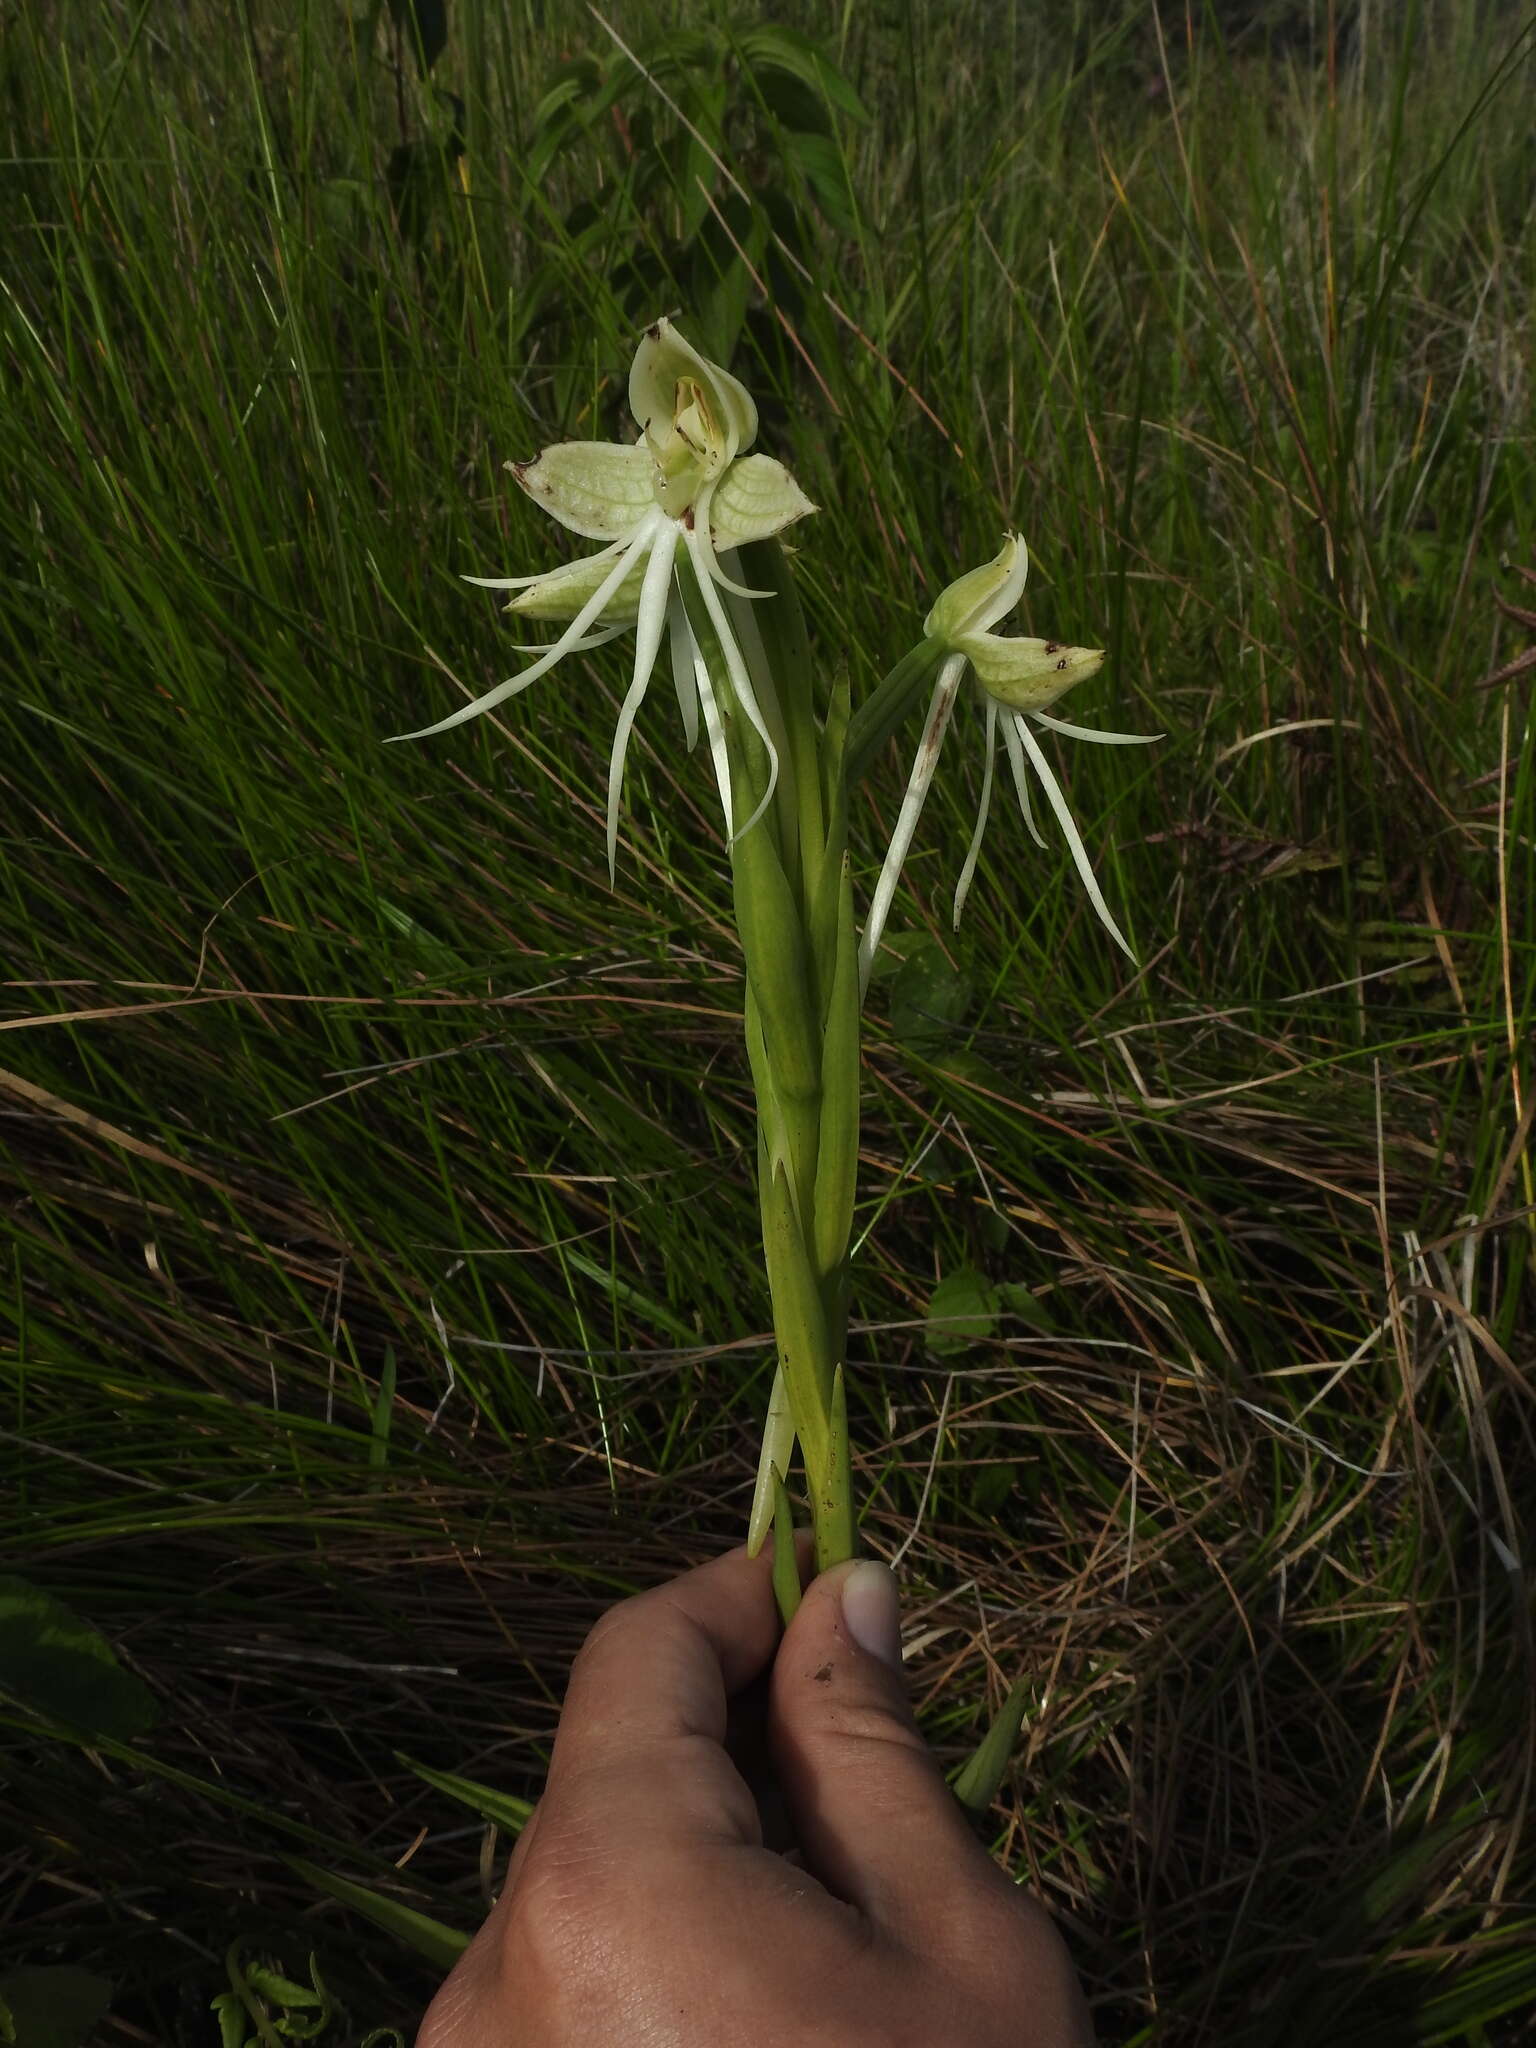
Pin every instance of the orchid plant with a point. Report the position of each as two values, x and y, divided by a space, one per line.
689 522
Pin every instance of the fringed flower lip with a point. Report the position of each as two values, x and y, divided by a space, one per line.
685 492
1017 679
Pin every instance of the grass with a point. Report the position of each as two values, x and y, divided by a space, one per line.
383 1298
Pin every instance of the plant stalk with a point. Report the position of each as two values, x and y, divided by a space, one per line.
794 912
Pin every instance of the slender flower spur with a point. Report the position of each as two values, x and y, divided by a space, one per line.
679 501
1016 679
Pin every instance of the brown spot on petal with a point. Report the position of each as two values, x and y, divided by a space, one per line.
822 1676
1051 646
1062 663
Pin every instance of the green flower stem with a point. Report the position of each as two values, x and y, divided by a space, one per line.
794 913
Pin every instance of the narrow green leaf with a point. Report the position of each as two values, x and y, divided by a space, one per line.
629 1296
774 947
786 1566
799 1319
836 1530
837 1154
1407 1870
834 748
59 1665
772 1140
877 719
778 1449
977 1781
504 1808
780 625
825 903
1482 1994
440 1945
383 1413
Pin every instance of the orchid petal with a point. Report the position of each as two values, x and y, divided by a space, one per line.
588 612
582 646
603 489
701 526
755 499
1097 738
560 593
662 361
1020 778
940 705
967 873
701 555
716 731
652 618
616 547
1016 575
1079 852
684 655
978 599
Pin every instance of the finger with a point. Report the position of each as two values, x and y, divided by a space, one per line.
644 1721
876 1820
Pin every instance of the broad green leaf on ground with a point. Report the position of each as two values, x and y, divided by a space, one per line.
51 2006
990 1487
59 1665
929 997
962 1310
1020 1300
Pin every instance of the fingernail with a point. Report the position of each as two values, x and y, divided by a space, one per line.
872 1611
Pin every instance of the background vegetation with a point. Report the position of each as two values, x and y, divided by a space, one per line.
382 1297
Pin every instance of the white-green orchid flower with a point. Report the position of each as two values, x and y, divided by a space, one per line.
684 492
1016 679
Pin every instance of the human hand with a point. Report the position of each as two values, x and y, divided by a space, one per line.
642 1908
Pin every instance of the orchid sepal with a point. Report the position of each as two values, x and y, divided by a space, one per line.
1026 675
599 489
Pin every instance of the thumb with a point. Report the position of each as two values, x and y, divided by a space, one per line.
876 1821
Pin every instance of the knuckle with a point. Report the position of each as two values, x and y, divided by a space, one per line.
564 1892
872 1725
439 2027
1007 1952
613 1620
